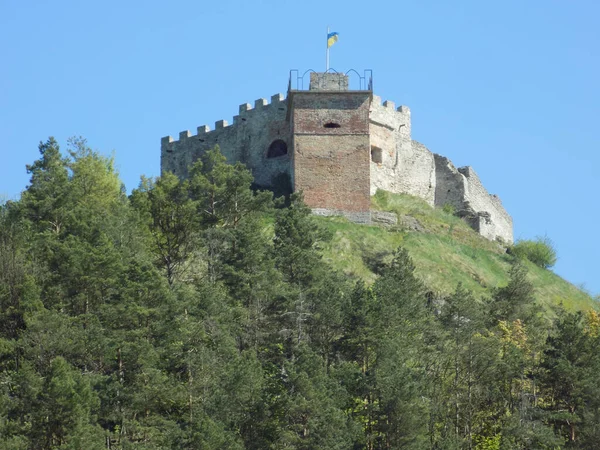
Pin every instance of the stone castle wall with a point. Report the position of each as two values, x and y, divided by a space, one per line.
246 140
405 165
339 146
462 189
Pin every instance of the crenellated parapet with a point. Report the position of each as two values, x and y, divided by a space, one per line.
390 124
247 139
386 114
246 112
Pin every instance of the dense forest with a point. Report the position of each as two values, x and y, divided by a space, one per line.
200 314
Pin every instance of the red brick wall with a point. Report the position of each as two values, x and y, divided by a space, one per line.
332 165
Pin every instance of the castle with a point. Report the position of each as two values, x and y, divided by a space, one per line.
339 145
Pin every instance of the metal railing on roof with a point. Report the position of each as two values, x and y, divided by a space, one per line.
356 82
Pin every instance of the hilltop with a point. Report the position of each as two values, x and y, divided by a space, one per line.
445 250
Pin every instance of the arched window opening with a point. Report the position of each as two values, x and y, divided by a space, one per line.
277 148
332 125
376 155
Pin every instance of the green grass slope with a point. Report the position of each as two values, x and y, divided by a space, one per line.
445 251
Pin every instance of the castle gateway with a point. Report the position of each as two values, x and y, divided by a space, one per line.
338 144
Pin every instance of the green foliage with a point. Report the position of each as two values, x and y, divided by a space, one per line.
296 241
540 251
449 209
63 411
446 252
195 315
172 219
570 375
440 221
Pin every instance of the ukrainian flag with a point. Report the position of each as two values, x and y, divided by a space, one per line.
331 39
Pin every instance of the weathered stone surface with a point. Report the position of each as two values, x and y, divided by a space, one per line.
463 189
362 217
328 81
384 218
341 147
410 223
247 141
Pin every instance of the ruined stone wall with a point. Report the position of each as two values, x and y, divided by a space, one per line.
451 186
385 125
246 140
406 166
417 172
331 151
463 189
497 223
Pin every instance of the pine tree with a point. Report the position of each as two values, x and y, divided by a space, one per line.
171 216
64 412
45 200
570 380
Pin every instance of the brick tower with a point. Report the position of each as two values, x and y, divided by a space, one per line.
331 146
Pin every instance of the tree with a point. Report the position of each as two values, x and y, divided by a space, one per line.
171 216
19 293
570 380
72 211
517 326
296 241
64 413
462 317
515 300
384 340
401 319
223 191
45 200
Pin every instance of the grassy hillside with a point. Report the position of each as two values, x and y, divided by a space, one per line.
445 250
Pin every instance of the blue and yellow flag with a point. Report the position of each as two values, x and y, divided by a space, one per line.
331 39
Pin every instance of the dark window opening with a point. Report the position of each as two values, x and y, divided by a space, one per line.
376 155
277 148
332 125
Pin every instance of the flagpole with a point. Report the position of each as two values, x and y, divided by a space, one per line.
327 58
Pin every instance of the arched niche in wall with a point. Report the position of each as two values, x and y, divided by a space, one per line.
277 148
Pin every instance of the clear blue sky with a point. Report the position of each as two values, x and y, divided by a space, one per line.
509 87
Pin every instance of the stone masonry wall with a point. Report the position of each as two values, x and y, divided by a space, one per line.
463 189
247 140
406 166
451 187
320 81
417 172
497 223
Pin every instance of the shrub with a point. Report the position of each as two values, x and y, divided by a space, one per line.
540 251
449 209
382 198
